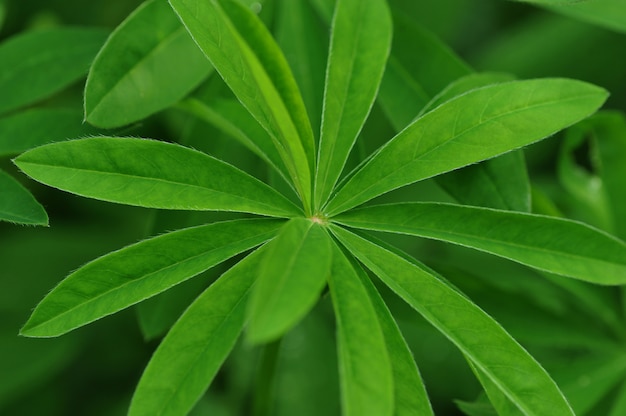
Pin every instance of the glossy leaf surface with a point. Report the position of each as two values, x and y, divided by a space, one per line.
291 277
151 174
461 132
65 53
410 396
130 275
359 46
191 354
552 244
475 333
148 63
366 375
243 51
18 205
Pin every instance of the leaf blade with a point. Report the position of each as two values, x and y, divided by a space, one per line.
517 112
150 49
552 244
476 334
151 174
117 280
291 277
364 366
360 45
189 357
17 205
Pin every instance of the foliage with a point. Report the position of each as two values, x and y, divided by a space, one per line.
291 193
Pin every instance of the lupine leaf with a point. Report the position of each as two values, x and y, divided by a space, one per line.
151 174
503 405
148 63
410 396
461 131
359 46
366 377
291 277
18 205
189 357
243 52
555 245
475 333
34 127
35 65
132 274
553 2
610 14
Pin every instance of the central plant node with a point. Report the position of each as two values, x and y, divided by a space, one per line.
319 219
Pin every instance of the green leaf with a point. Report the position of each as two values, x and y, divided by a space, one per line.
37 64
366 377
137 272
503 405
476 334
34 127
151 174
148 63
408 84
191 354
291 278
555 245
233 119
304 41
243 52
462 131
359 46
569 3
409 392
18 205
610 14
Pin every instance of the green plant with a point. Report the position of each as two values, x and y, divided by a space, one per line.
318 235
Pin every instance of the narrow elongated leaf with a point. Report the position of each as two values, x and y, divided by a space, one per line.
475 333
366 377
130 275
17 204
233 119
610 14
473 127
31 128
242 50
151 174
291 277
189 357
64 53
148 63
552 244
410 396
503 405
409 84
359 46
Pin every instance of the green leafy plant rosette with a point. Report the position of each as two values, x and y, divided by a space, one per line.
298 249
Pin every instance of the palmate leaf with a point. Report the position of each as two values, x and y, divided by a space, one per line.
366 375
132 274
189 357
291 276
64 54
244 53
148 63
516 114
18 205
359 46
555 245
476 334
151 174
